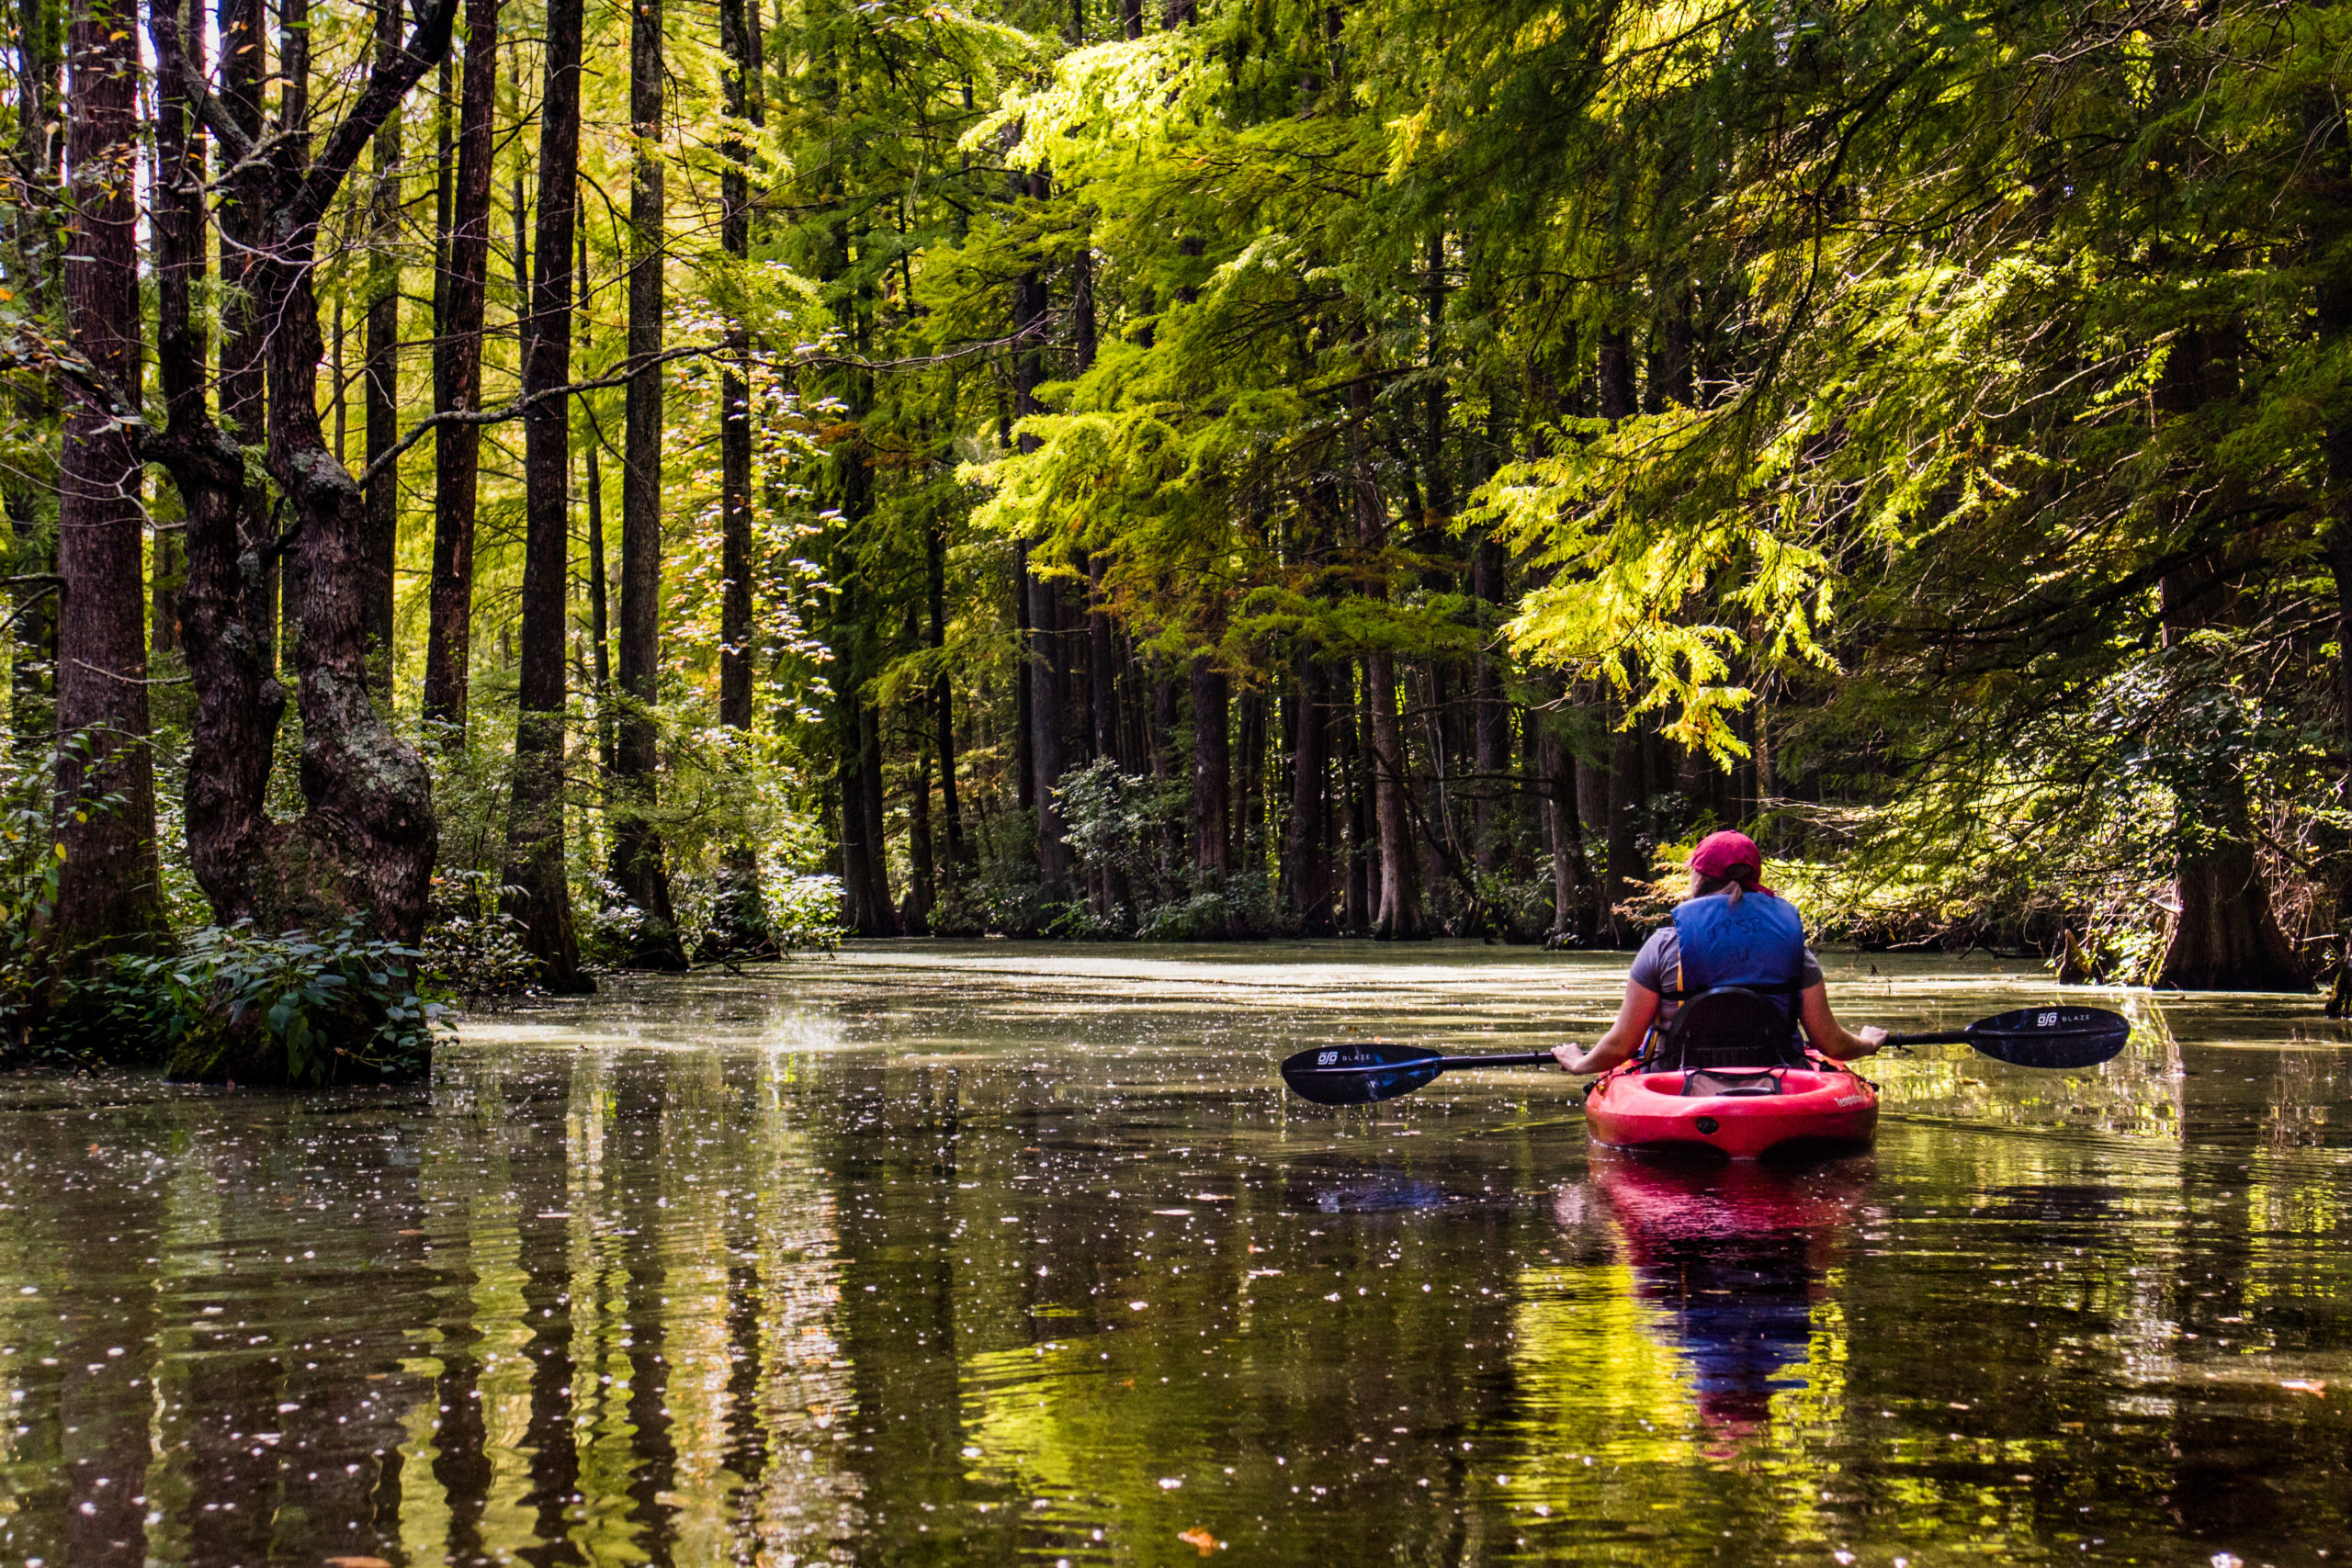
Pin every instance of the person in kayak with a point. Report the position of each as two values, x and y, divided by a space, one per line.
1733 932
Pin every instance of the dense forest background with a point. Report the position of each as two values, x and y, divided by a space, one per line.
579 485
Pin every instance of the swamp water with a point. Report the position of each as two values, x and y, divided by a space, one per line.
985 1253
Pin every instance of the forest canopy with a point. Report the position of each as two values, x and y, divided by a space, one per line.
540 486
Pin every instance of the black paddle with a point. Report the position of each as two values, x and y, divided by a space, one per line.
1366 1074
2037 1037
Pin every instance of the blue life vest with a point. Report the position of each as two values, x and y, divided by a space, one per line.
1758 942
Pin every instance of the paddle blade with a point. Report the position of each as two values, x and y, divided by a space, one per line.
1359 1075
2051 1037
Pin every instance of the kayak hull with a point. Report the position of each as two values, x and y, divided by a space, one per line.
1819 1109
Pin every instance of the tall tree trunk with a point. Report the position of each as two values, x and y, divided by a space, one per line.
746 917
227 611
877 835
1571 893
1048 691
734 398
382 376
457 363
1492 819
1363 832
639 866
367 839
1626 797
1623 783
107 887
923 888
943 705
1025 761
600 619
1212 776
1249 827
854 637
245 64
2223 935
32 495
1399 915
541 898
857 910
1048 699
1103 662
178 218
1307 857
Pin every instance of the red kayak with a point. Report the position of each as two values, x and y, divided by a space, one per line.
1745 1112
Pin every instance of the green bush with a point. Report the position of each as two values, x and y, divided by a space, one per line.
236 1005
805 914
473 948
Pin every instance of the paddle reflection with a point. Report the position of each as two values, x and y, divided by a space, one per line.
1735 1257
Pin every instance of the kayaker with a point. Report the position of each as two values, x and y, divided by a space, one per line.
1733 931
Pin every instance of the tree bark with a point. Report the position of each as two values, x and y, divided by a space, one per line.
244 64
1048 699
108 882
367 839
857 911
640 865
227 612
1399 918
541 896
866 874
1048 692
1103 662
1025 761
1308 859
1212 776
2223 935
944 707
923 888
1571 893
1248 836
877 835
734 396
381 377
457 463
600 604
33 665
1492 820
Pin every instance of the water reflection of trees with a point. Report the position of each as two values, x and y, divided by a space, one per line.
802 1301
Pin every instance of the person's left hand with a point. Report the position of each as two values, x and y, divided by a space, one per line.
1873 1037
1567 1056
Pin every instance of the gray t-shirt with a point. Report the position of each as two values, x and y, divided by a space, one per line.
1659 967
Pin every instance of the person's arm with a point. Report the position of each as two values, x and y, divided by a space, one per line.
1828 1036
1624 1036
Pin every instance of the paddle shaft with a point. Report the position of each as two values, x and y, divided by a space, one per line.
1971 1037
1523 1059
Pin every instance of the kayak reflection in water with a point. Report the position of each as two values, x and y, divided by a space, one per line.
1734 1257
1733 932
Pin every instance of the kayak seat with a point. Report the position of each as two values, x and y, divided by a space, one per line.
1722 1082
1727 1026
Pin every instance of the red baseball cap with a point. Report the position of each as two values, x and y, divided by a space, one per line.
1718 852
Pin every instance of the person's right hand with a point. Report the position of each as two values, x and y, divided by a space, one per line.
1567 1056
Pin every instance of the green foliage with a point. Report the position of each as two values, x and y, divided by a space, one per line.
473 948
30 858
238 1005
